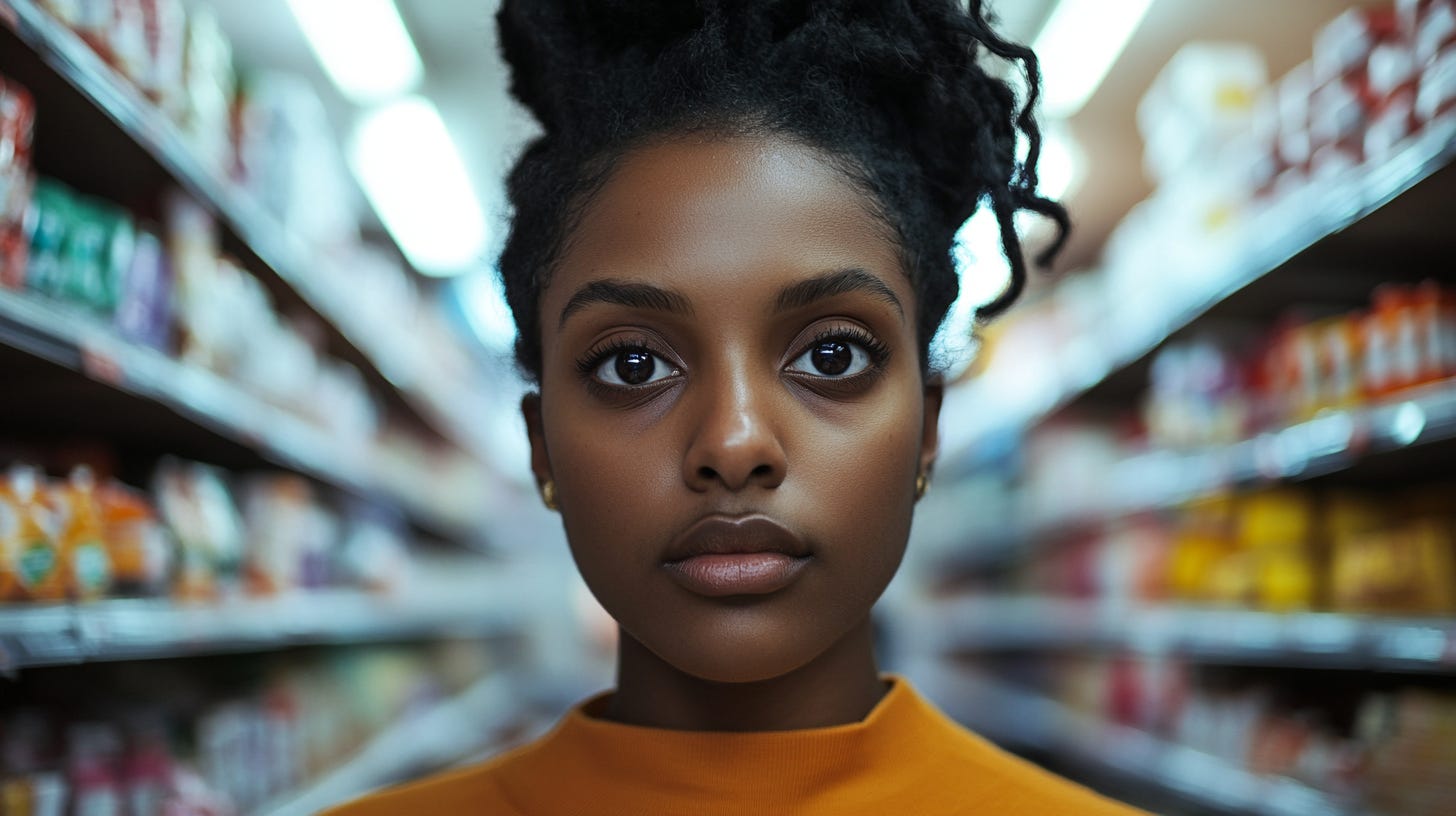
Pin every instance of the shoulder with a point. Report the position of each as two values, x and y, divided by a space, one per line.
976 770
467 790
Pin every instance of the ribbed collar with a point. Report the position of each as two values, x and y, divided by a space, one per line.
591 765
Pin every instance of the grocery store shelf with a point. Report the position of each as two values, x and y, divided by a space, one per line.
1021 720
1334 441
74 340
452 731
1214 635
282 253
1017 393
104 631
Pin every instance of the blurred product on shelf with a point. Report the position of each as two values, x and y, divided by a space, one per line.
1245 172
83 540
17 125
1388 749
193 750
291 537
30 562
1204 392
1278 550
198 509
1200 102
289 162
259 152
90 254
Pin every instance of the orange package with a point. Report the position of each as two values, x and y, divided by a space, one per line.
30 564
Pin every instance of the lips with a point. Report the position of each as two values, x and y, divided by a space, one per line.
722 557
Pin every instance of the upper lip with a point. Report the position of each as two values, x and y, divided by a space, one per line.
741 535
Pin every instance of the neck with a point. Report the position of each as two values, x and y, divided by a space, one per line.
840 686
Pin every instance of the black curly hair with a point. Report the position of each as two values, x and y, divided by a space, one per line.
893 92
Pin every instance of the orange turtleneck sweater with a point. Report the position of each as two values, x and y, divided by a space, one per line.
905 757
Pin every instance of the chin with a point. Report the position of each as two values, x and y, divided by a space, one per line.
745 653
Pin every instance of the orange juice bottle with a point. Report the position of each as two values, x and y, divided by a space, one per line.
32 559
84 559
9 538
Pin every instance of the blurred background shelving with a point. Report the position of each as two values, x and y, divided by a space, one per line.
1191 539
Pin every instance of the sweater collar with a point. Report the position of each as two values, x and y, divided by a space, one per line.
663 770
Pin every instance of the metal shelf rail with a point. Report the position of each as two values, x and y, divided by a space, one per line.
68 338
118 630
1316 640
1160 479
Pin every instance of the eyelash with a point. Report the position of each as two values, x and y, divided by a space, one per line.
587 364
877 349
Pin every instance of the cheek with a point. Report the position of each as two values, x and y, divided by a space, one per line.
614 478
859 477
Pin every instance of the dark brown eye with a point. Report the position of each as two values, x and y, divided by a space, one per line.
631 367
832 357
635 367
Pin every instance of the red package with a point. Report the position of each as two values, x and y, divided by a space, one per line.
17 125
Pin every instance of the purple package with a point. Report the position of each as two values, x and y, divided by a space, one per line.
144 313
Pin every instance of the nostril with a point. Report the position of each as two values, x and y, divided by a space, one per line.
762 470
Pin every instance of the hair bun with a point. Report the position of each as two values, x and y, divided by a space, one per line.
558 49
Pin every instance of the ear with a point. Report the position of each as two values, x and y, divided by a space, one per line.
540 460
930 428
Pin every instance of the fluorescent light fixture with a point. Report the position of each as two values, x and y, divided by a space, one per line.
414 177
363 46
1059 171
484 304
1078 46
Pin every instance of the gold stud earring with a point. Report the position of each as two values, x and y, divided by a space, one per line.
922 484
548 495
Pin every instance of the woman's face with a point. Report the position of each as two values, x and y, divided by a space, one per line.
731 404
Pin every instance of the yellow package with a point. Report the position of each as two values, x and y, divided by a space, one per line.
1200 545
84 559
1275 528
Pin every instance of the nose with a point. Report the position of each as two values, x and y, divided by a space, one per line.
735 442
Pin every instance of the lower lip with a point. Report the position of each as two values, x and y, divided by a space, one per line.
717 576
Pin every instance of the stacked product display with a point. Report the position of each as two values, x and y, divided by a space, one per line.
1213 555
1324 746
238 453
80 540
1247 174
1288 549
1206 393
205 748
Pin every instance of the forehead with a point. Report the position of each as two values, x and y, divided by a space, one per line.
736 213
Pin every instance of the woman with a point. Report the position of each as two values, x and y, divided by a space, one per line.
730 252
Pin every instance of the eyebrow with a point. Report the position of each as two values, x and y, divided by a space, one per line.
839 282
631 295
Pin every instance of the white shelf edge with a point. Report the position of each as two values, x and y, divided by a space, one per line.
1334 441
120 630
1314 639
209 400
